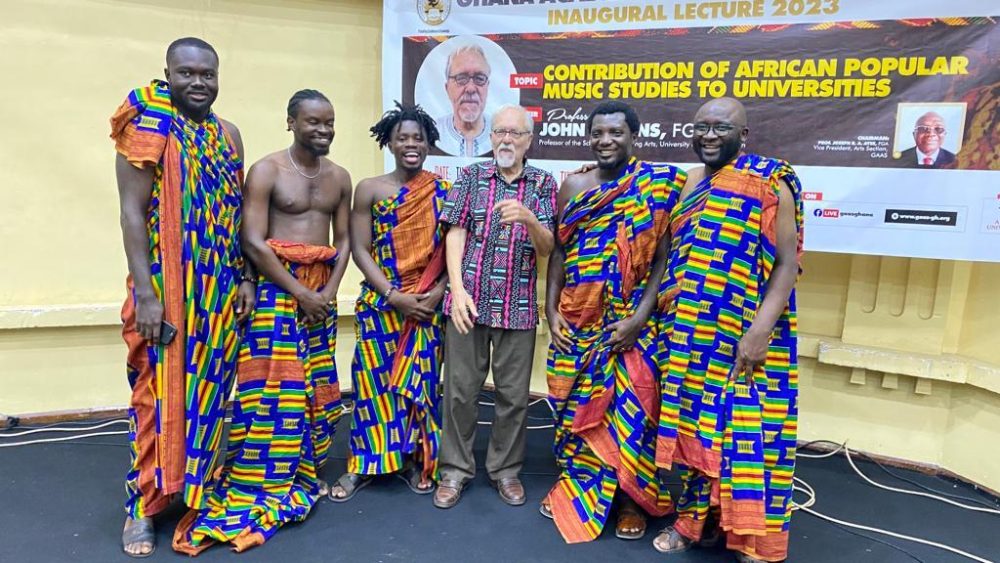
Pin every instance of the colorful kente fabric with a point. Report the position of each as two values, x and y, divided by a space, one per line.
396 367
287 403
606 403
733 442
179 391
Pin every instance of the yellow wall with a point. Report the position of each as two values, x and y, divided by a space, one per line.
899 356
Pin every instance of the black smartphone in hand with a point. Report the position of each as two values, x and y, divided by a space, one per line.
167 333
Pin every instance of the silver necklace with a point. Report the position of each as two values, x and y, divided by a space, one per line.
299 170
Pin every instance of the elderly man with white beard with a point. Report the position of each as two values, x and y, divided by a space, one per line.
500 218
464 131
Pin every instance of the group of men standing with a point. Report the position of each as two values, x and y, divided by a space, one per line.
669 299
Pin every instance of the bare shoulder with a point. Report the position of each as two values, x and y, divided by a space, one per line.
266 167
234 134
368 185
694 177
230 127
576 183
338 173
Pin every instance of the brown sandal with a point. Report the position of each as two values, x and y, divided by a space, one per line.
630 518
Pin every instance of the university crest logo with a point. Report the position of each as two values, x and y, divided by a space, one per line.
433 12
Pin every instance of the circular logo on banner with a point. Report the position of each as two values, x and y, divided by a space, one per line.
433 12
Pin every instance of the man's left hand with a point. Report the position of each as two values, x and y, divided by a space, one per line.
513 211
246 296
433 297
625 333
751 353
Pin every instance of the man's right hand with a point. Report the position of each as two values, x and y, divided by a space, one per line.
584 168
148 317
463 310
409 304
559 329
315 309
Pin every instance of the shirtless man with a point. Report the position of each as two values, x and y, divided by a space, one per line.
396 244
287 387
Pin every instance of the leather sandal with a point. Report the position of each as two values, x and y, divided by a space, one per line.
139 531
350 483
676 543
630 518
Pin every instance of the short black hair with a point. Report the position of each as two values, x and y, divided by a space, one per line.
301 96
614 106
382 131
190 42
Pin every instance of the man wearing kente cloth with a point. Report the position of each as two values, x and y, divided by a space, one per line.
396 421
179 173
287 394
728 344
602 371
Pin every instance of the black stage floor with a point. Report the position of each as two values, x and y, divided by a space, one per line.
62 502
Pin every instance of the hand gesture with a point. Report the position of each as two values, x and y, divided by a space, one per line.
148 316
625 332
411 305
433 297
560 330
314 306
513 211
750 353
463 310
246 296
584 168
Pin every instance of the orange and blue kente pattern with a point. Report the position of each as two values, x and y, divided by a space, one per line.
731 439
287 404
606 402
397 362
180 390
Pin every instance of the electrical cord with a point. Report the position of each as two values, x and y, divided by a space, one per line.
63 439
487 403
801 485
63 429
871 459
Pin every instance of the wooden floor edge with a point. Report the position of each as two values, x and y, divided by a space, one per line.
52 417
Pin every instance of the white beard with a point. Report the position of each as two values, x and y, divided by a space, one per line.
505 159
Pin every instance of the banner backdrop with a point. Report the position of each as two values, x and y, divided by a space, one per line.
889 111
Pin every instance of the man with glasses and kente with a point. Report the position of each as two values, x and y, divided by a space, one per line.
928 135
465 131
727 344
500 218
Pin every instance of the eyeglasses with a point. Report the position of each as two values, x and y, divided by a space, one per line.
721 129
478 78
927 130
512 132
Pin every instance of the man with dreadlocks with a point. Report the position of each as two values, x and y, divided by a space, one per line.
179 172
288 397
397 245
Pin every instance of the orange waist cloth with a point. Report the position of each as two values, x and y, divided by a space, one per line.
313 261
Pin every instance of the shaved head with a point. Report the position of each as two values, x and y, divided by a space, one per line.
729 108
720 131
